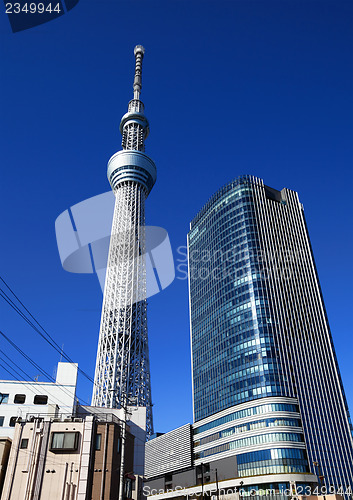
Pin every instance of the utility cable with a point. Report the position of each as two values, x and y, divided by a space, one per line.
46 336
30 360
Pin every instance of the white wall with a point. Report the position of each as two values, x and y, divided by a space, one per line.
61 393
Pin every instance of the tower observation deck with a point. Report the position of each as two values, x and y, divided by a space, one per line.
122 375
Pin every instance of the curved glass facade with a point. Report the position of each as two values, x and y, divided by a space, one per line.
247 412
235 356
250 426
251 441
259 329
273 461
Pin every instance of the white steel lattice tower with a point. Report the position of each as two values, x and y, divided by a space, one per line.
122 375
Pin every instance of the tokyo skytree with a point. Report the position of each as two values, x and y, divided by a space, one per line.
122 375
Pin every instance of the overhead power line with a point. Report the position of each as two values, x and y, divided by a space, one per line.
33 363
44 334
39 328
13 363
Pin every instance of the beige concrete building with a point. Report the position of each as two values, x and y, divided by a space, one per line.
18 399
76 458
5 445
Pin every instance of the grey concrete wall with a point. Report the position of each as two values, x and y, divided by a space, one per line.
184 479
157 484
226 468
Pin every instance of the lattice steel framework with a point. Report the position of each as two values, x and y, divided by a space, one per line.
122 373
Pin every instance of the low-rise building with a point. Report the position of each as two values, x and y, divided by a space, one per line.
5 445
71 458
20 398
212 456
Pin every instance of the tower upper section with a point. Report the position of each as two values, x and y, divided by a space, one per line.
132 164
134 125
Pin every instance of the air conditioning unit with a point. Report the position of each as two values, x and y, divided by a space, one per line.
77 419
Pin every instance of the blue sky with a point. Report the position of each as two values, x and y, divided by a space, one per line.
230 88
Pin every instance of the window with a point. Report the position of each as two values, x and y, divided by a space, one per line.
98 441
1 421
129 487
19 399
4 398
64 441
273 194
13 421
40 400
24 444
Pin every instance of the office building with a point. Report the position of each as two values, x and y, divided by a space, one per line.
261 342
269 405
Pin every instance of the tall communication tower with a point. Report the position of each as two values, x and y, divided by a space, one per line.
122 375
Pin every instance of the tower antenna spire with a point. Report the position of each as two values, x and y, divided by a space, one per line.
139 52
134 126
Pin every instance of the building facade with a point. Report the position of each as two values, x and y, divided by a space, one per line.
5 446
71 458
168 453
266 384
270 414
122 375
211 457
20 398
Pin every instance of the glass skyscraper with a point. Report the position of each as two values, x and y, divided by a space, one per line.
267 390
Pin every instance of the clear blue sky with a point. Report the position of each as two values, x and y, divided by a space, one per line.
230 88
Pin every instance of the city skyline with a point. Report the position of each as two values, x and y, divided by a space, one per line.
285 79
